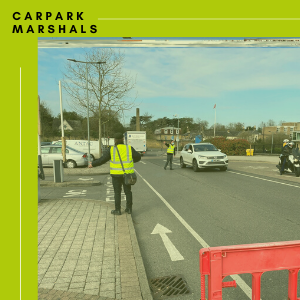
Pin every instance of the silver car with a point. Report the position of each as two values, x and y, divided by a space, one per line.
203 156
74 158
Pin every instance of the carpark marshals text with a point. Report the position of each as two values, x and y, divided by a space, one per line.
39 16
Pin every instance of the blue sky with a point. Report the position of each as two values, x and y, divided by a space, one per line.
248 85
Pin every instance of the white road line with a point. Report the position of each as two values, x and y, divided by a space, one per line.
241 283
265 179
73 193
110 194
143 162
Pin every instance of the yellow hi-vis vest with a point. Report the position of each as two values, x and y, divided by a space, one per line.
171 149
126 156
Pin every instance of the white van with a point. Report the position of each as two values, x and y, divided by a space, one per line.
136 139
82 145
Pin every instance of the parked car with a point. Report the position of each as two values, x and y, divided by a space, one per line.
203 156
74 158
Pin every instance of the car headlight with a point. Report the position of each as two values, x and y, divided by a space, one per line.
225 156
201 157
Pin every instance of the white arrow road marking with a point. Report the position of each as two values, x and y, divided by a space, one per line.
74 193
173 252
85 178
241 283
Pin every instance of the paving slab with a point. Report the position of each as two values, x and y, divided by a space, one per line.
85 252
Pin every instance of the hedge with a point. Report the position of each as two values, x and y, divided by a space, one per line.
230 147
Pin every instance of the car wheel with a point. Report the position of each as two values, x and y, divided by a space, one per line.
182 165
195 166
223 169
297 172
71 164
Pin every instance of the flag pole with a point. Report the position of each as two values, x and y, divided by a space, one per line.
215 107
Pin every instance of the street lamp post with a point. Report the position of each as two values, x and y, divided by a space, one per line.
272 142
87 98
178 131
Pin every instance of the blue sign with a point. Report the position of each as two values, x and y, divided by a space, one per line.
198 139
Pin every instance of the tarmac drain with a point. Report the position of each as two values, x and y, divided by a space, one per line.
169 286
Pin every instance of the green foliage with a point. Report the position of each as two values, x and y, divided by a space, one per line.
230 147
70 115
46 120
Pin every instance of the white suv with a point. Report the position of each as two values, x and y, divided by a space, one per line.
203 156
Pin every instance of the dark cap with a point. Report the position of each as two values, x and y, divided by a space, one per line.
118 136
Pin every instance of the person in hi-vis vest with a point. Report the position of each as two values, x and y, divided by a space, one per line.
128 156
170 154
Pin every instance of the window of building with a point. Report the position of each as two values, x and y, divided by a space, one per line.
166 131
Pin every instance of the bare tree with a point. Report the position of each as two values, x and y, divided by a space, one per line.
203 124
236 126
271 123
109 88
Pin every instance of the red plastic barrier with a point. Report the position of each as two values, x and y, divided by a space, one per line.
219 262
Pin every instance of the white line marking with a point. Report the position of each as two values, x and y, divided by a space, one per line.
73 193
143 162
242 284
265 179
173 252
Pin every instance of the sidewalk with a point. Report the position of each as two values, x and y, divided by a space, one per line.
85 252
256 158
70 173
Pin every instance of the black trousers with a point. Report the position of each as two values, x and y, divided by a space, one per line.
283 162
169 159
118 182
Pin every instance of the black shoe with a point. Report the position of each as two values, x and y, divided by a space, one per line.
281 173
171 169
165 168
116 212
128 210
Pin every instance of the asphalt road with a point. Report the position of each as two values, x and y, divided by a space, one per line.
250 203
176 213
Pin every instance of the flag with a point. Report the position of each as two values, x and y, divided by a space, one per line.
215 105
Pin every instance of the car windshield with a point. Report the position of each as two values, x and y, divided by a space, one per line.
199 148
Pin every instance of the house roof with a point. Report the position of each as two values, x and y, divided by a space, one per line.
69 124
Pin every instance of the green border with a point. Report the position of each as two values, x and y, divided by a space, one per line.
20 51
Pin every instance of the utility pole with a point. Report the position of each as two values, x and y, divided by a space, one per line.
63 139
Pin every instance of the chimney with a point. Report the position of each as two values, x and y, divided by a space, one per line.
138 119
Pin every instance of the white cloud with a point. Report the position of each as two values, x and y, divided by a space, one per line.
208 72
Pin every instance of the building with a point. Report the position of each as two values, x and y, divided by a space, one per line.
291 129
166 133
